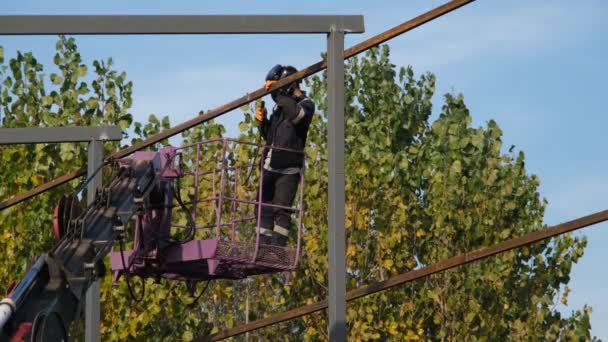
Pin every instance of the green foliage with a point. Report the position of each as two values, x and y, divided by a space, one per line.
417 193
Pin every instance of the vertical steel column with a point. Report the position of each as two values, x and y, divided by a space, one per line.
92 308
336 186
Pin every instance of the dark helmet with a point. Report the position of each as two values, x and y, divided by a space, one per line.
278 72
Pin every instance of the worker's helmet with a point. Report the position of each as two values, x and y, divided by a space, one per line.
278 72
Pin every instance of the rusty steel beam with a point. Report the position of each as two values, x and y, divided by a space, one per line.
403 278
225 108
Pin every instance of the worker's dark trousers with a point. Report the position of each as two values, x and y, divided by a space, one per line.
277 189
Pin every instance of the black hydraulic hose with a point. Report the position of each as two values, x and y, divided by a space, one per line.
189 217
191 222
126 270
191 305
89 178
128 276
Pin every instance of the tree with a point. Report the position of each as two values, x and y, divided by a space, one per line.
417 193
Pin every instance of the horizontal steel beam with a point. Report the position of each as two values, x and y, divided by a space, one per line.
177 24
42 135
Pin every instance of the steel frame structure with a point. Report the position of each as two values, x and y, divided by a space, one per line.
334 26
403 278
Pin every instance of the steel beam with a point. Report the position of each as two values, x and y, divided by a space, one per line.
42 135
92 314
336 186
176 24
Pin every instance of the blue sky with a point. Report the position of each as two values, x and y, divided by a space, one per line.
537 67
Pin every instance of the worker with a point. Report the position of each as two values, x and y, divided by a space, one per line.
286 128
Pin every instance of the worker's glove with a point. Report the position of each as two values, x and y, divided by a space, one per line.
260 112
269 84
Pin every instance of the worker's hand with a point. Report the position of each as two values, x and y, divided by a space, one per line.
269 84
260 113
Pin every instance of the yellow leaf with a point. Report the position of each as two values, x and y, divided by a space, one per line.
392 328
420 233
37 180
411 336
311 246
133 327
187 335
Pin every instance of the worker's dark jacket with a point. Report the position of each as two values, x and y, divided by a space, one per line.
287 127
